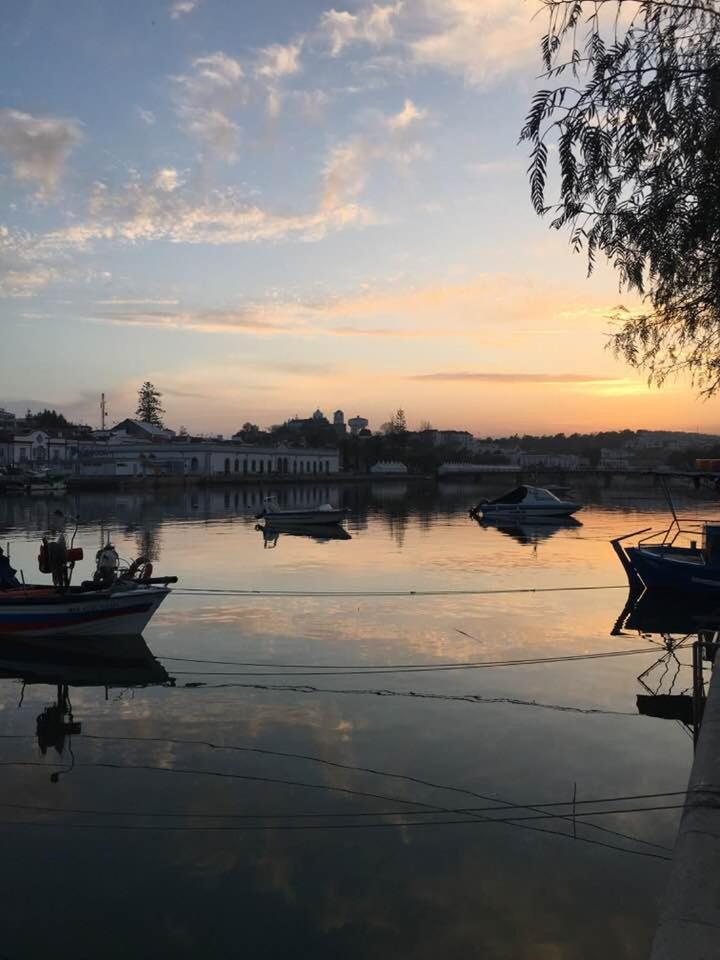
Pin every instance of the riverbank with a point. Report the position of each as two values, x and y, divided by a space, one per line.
580 479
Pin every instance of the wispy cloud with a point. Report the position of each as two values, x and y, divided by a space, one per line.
37 146
480 40
278 60
257 319
186 394
372 25
348 163
120 302
147 116
464 376
408 115
215 86
180 8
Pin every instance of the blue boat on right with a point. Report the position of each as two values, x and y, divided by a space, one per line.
684 558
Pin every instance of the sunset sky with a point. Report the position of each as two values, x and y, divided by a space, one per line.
269 207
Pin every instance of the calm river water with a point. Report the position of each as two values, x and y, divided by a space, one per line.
274 785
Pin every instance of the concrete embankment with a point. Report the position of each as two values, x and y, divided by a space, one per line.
689 925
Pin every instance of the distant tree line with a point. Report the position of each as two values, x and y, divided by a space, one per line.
50 421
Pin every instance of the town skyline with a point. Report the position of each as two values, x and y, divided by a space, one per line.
330 419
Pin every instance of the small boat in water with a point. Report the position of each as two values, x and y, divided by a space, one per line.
119 601
273 515
684 558
524 503
680 559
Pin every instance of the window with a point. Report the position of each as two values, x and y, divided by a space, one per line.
315 466
327 466
262 466
245 466
227 465
237 465
302 466
194 464
294 466
252 466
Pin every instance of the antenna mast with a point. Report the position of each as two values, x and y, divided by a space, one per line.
103 411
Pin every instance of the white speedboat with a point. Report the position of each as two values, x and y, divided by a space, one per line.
273 515
524 503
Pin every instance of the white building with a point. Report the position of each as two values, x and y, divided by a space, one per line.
562 461
614 459
37 449
473 469
202 459
388 466
140 430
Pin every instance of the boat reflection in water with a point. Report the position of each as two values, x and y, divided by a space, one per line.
321 534
675 688
116 662
532 532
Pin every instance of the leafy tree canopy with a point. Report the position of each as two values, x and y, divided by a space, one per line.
637 131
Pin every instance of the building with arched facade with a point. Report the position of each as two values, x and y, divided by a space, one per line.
204 459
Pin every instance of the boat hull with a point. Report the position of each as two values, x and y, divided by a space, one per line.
119 614
302 518
528 511
674 570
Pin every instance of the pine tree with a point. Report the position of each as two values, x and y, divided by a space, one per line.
149 408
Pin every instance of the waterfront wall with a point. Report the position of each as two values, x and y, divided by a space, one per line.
689 925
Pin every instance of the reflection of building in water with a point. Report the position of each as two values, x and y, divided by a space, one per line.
398 524
148 540
142 514
389 491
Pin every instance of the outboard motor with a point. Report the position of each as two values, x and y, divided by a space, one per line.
107 562
711 543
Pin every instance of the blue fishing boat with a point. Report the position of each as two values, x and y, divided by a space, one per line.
684 558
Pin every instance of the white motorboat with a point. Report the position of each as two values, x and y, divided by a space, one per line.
525 503
273 515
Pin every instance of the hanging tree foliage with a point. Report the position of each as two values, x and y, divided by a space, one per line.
631 100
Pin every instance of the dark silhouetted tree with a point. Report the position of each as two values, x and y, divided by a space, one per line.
637 131
149 409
